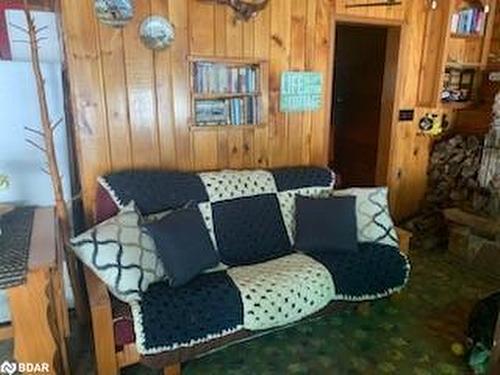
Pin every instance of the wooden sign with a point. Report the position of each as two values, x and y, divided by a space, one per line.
301 91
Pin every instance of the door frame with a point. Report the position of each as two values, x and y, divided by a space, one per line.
393 75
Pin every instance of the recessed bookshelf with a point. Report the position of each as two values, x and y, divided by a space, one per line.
229 93
469 20
466 51
458 85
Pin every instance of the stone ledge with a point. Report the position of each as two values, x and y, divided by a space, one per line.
481 226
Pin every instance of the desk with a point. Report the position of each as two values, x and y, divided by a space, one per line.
38 308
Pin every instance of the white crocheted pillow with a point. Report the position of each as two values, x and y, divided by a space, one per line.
121 254
372 215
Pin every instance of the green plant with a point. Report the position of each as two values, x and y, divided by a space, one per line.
4 182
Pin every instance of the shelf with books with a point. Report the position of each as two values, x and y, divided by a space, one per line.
228 92
457 105
462 65
228 127
468 21
467 47
458 85
200 96
466 36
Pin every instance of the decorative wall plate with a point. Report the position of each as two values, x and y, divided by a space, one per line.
157 32
116 13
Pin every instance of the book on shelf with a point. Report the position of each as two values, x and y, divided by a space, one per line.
231 111
469 21
218 78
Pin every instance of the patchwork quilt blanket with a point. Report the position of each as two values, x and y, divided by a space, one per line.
262 282
262 296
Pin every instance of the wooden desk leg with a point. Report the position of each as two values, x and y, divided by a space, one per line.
6 332
37 338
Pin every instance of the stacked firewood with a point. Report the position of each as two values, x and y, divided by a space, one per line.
464 172
453 172
452 182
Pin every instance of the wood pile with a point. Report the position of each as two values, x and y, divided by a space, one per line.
453 172
464 173
452 182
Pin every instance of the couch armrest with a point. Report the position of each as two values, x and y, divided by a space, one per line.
404 239
97 290
102 323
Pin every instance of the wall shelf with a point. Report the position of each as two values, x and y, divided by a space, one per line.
228 93
202 128
462 65
224 95
466 36
457 105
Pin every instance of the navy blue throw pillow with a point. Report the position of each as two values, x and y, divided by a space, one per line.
250 230
327 224
183 245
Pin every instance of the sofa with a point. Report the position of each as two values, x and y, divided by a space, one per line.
262 282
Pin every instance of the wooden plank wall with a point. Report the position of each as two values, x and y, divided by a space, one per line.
408 179
494 55
131 104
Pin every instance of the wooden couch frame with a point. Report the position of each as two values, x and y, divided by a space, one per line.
108 360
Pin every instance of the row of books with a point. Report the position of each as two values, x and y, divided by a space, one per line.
468 21
237 111
211 78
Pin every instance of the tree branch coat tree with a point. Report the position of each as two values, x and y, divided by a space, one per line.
47 147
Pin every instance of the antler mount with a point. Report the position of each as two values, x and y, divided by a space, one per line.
244 10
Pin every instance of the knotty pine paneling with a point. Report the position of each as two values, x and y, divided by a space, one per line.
353 8
132 106
494 53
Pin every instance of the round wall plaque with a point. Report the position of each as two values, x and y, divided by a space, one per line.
116 13
157 32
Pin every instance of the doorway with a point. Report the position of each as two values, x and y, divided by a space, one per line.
365 71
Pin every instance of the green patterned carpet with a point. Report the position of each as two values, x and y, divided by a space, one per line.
410 334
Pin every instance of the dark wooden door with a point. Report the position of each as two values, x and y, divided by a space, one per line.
359 78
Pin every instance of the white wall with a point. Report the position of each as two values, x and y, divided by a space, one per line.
29 185
49 46
19 108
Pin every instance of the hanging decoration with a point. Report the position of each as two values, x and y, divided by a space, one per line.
432 124
157 33
301 91
115 13
244 10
